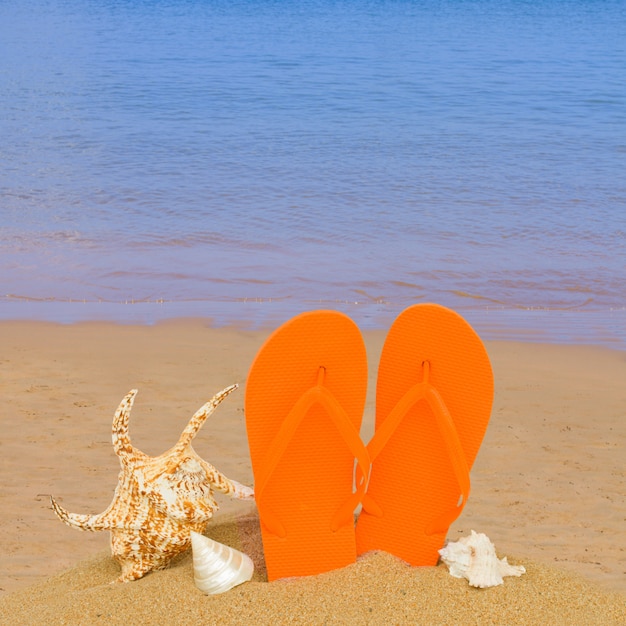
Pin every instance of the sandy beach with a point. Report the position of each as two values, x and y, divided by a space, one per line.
548 486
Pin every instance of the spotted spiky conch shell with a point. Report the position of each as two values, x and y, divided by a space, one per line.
159 500
475 559
217 567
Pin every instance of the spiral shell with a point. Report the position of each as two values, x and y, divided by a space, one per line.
216 567
474 558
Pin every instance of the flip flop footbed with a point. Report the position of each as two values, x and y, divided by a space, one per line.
306 479
413 479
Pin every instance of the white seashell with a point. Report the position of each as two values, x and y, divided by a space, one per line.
216 567
475 558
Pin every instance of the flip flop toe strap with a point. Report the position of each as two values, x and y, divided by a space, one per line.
318 394
425 391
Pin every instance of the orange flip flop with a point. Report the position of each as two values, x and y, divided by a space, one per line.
433 403
304 403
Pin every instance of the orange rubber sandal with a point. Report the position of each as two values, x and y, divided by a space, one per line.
433 403
304 403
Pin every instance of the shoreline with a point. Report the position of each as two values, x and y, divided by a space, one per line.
564 326
547 485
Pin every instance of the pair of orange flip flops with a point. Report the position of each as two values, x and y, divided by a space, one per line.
304 404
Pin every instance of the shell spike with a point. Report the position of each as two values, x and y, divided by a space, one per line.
200 416
82 522
120 437
226 485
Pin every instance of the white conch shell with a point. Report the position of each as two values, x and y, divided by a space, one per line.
216 567
474 558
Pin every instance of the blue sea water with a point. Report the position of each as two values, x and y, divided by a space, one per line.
247 160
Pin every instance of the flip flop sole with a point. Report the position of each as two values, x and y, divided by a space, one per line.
413 479
307 479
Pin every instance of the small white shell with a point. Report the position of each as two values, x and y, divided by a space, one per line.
216 567
475 558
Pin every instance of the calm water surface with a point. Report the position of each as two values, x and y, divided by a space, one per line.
248 160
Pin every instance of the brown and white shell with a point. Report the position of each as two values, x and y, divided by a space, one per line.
475 559
159 500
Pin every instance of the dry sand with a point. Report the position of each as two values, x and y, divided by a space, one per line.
548 487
